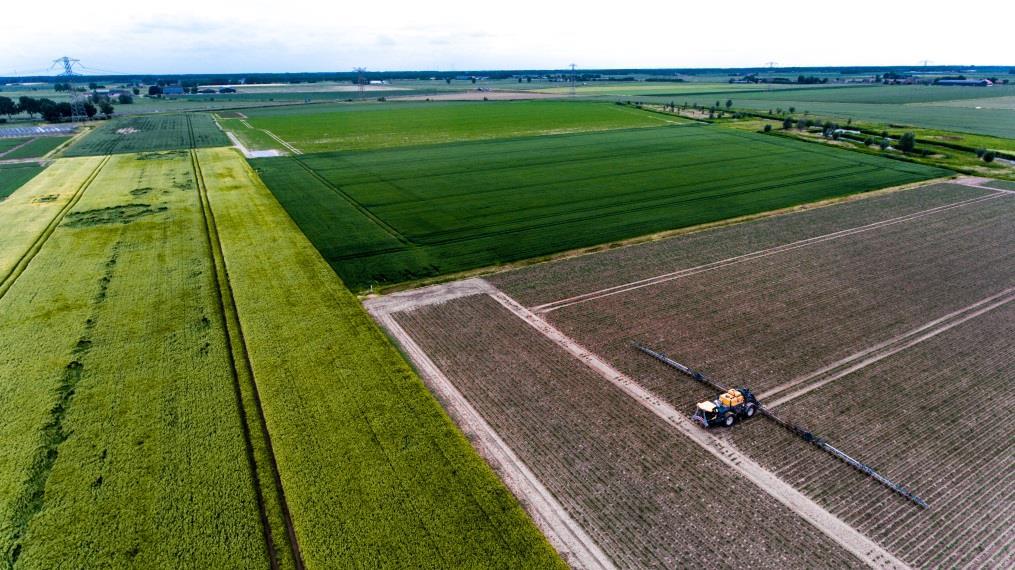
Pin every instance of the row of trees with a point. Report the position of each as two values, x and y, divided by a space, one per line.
51 110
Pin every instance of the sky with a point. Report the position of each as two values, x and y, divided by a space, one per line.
228 36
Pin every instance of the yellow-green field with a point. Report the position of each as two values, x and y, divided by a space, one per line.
182 375
374 471
122 441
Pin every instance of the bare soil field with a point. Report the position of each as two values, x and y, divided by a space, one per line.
551 282
924 416
646 494
768 320
883 324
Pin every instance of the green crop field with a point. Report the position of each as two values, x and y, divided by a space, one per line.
394 215
635 89
150 133
7 144
883 94
946 108
369 126
36 148
13 176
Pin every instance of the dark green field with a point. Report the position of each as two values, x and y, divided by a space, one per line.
14 176
36 148
151 133
388 216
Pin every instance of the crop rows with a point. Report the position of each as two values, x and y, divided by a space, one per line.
762 322
929 418
394 215
547 283
649 497
373 472
923 416
122 444
147 133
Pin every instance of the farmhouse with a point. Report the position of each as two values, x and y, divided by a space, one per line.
172 90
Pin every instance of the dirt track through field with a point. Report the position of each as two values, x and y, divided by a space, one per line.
880 351
243 375
10 150
408 300
862 359
563 532
845 535
8 281
617 289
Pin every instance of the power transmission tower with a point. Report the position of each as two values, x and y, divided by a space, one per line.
925 62
573 87
77 99
772 64
360 79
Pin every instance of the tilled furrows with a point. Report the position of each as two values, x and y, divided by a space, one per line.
631 482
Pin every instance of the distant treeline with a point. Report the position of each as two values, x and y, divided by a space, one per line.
586 74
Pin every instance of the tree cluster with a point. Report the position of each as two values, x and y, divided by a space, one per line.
50 110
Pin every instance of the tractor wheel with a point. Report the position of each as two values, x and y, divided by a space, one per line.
750 410
730 419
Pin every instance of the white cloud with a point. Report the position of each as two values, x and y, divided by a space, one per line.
317 35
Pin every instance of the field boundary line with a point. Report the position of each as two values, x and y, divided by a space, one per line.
415 298
278 139
26 258
652 237
666 277
563 532
979 182
239 360
852 540
887 348
12 149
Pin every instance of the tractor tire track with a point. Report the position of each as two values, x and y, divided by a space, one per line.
565 534
19 268
14 149
852 540
243 374
389 229
846 366
625 287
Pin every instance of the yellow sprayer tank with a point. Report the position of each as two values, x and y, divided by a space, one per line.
731 398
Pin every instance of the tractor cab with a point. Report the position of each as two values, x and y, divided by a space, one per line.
726 409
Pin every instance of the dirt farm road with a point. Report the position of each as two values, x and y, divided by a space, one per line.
563 532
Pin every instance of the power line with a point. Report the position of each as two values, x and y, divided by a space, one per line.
77 99
360 78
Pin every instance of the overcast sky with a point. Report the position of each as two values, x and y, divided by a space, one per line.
197 36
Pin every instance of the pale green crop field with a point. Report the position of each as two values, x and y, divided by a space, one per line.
359 127
116 402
